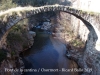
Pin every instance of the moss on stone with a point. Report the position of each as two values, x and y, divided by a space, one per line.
77 43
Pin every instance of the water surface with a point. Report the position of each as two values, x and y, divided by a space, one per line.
47 53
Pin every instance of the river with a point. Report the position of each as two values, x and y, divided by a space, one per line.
47 57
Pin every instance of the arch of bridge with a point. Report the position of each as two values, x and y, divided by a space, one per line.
12 16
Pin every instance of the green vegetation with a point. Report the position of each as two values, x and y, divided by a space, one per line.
6 4
16 34
75 42
35 2
17 38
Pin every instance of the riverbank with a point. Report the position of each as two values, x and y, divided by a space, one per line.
17 40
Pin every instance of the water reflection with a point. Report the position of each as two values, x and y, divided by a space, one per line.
47 53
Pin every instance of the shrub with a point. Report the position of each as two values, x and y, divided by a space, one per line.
17 38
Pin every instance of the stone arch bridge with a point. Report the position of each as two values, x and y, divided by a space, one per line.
91 54
12 16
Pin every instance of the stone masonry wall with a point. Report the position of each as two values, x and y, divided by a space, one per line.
78 27
89 58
